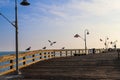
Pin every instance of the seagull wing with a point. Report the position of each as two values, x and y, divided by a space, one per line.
51 44
49 41
54 42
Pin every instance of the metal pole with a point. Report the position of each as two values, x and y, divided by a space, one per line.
24 3
16 36
86 32
85 42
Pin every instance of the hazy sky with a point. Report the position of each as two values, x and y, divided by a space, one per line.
60 20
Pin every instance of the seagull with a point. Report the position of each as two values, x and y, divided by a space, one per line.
63 47
44 48
28 48
101 40
51 43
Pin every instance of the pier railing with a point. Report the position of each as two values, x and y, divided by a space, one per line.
7 63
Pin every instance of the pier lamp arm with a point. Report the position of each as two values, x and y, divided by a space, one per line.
7 19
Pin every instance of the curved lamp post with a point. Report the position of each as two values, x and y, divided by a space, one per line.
23 3
86 32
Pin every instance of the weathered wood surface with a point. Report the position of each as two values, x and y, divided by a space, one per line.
8 62
104 66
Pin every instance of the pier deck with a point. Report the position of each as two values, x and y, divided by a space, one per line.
103 66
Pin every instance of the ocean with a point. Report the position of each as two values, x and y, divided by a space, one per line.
3 53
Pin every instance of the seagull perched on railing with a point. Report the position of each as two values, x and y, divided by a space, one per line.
44 47
28 48
51 43
63 47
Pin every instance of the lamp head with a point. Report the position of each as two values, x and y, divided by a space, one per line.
25 3
76 36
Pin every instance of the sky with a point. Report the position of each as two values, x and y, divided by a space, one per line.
60 20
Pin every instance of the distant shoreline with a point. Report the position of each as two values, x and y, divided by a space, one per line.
3 53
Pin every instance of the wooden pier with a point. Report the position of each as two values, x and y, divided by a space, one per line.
103 66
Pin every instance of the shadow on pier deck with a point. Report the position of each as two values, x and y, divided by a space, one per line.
104 66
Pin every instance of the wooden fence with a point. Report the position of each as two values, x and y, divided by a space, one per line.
8 62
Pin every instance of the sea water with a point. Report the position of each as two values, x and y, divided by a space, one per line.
3 53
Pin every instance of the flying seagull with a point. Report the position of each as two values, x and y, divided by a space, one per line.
51 43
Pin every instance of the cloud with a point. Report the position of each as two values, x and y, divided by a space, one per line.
41 21
96 7
75 12
78 8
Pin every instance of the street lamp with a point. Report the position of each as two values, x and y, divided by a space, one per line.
86 32
23 3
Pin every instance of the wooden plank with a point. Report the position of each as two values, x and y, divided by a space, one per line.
44 54
7 65
87 67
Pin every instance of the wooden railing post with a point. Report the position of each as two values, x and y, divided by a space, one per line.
71 53
60 53
48 55
24 61
51 54
45 55
66 53
75 51
99 50
79 51
33 57
40 55
54 54
11 62
83 51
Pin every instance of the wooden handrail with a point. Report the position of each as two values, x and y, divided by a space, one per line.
28 58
